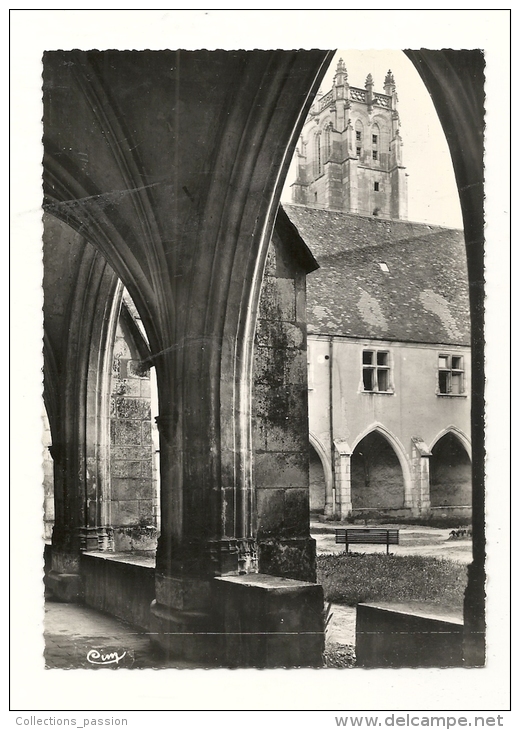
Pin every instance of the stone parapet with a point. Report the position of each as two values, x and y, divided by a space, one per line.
271 622
408 635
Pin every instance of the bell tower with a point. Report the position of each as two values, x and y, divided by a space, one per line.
350 152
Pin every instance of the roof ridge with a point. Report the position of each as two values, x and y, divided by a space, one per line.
364 216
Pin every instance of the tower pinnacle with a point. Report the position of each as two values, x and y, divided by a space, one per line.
341 75
389 83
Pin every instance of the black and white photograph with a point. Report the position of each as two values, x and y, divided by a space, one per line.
263 316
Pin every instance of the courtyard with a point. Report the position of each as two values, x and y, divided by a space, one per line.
432 542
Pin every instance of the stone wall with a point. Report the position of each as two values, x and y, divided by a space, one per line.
132 469
450 474
280 423
376 475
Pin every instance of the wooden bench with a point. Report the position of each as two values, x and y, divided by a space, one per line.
367 536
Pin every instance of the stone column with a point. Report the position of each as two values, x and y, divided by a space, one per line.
420 477
342 455
79 293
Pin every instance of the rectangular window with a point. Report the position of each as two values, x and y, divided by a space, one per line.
374 154
358 151
451 375
376 371
358 136
376 187
374 139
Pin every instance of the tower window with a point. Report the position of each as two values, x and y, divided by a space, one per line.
376 187
374 154
374 139
358 136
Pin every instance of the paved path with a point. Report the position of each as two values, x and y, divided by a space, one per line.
341 628
78 636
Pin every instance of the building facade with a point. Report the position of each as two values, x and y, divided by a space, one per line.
389 367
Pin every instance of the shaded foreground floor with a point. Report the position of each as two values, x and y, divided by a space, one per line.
79 637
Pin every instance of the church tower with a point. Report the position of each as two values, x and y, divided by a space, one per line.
350 152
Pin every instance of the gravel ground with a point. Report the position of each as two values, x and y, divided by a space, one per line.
413 540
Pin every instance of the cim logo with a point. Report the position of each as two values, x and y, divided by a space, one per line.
95 656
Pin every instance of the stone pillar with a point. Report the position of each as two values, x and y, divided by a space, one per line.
420 477
455 80
342 455
201 159
281 426
79 294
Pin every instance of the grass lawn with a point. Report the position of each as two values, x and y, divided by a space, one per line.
359 577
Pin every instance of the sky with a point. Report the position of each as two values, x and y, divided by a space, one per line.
432 191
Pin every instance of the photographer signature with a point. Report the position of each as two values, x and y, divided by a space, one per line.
96 657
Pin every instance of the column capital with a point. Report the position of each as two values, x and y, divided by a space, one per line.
166 425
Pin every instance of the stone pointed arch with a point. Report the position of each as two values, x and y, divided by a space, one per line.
186 227
451 473
324 457
456 432
400 453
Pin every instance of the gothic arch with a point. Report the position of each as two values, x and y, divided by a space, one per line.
399 452
450 470
318 447
187 231
458 433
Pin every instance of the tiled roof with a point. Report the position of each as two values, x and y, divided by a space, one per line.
423 297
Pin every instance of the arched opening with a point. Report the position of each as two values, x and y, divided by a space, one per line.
450 473
317 482
377 481
134 492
